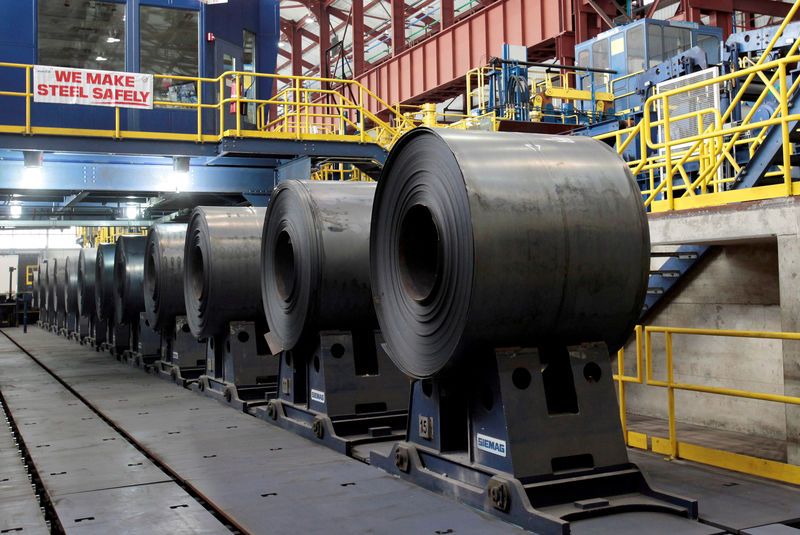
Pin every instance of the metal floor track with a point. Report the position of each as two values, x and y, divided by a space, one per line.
118 447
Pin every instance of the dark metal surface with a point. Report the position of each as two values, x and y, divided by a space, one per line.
736 501
271 481
104 282
71 284
19 507
129 278
87 260
315 259
221 268
504 239
265 479
163 274
96 480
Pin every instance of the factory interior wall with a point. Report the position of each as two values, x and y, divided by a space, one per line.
736 288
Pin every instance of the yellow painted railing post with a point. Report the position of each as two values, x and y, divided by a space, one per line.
621 372
238 105
28 96
297 107
117 134
787 166
221 106
429 114
199 111
673 439
668 153
361 112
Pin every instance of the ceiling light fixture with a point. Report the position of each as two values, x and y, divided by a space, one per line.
112 40
100 58
131 211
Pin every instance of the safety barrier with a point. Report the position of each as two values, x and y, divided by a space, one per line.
340 171
301 112
671 445
94 236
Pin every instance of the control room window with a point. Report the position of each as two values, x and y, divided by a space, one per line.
249 65
168 41
81 34
600 60
710 45
635 37
676 40
655 47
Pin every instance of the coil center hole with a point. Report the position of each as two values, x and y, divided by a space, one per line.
419 253
284 265
197 271
151 281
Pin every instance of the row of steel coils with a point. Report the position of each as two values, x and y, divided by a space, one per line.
469 240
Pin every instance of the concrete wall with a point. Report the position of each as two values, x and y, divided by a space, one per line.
737 288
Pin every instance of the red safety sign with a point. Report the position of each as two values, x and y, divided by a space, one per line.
94 88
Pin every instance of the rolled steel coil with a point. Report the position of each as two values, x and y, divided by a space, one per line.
104 282
36 287
60 288
498 239
163 274
315 259
47 299
52 268
86 287
129 278
71 284
222 257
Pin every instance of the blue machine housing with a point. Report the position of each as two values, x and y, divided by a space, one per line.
640 46
227 22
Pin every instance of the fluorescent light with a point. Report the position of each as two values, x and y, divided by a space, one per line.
32 175
100 58
181 180
131 211
16 211
112 40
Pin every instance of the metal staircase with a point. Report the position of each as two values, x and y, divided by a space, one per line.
678 264
768 153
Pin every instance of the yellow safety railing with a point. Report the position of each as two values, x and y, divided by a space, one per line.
711 151
94 236
671 445
305 110
341 172
546 86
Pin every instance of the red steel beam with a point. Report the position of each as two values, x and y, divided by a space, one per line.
398 26
448 14
358 37
442 60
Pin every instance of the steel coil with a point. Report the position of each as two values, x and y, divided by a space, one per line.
36 286
129 278
163 274
71 284
59 289
104 282
86 271
222 268
315 259
498 239
47 297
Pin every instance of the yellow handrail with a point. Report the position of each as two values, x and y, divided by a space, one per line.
671 445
